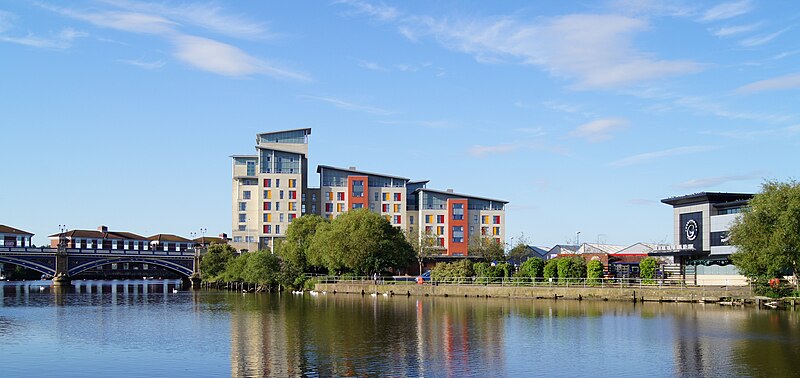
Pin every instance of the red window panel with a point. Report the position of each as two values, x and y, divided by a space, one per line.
267 205
385 207
267 183
440 219
496 219
397 196
266 229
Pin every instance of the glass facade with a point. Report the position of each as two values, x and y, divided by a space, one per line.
332 177
293 136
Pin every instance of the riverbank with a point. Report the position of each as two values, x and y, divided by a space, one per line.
706 294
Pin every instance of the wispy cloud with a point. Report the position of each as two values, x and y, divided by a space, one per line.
595 51
380 11
726 31
708 182
753 134
532 131
599 130
347 105
641 202
650 8
481 151
60 41
761 39
727 10
777 83
655 155
199 52
154 65
6 20
438 124
372 66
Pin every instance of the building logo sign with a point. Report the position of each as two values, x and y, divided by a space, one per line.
691 230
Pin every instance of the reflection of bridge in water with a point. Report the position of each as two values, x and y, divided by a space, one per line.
63 263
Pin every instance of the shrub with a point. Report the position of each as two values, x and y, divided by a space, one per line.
647 269
571 267
551 268
531 268
594 271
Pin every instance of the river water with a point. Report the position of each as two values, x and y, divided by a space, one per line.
144 329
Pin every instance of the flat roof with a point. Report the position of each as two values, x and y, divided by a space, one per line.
306 131
244 156
706 197
459 195
365 173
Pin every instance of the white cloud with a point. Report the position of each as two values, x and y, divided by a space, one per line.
371 66
481 151
733 30
599 130
593 50
208 16
62 40
347 105
380 11
727 10
777 83
6 20
761 39
647 8
707 182
143 64
649 156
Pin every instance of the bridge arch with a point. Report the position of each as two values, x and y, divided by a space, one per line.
28 264
180 269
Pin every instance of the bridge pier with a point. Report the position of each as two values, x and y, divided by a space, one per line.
62 279
194 281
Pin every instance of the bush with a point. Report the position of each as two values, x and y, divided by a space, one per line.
594 271
647 269
531 268
551 268
451 271
571 267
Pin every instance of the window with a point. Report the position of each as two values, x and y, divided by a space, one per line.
377 196
251 168
496 219
268 194
328 207
277 229
267 205
292 217
114 266
249 181
398 219
458 234
242 206
358 205
439 230
385 208
292 183
385 196
313 197
246 194
242 218
397 196
428 229
429 218
267 217
237 239
267 229
458 211
397 208
484 231
357 190
313 208
340 196
330 196
277 183
292 206
339 207
292 194
484 219
411 219
277 206
440 242
440 218
267 183
475 219
242 227
495 231
281 217
280 195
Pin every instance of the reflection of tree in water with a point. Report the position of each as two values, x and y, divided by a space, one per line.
770 345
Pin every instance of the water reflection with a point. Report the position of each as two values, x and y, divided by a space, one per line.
208 333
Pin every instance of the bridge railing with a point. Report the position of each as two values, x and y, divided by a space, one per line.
93 251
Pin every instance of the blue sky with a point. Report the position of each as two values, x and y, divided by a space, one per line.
582 115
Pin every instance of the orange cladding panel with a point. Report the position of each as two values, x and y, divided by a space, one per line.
353 198
456 248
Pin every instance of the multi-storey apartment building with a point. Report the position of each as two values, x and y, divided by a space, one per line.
454 218
269 187
345 189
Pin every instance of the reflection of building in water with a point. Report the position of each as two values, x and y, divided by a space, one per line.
697 346
261 343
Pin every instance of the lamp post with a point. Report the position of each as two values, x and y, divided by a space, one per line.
578 238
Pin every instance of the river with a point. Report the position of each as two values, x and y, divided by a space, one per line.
144 328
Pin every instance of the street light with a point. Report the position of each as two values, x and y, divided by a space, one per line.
578 238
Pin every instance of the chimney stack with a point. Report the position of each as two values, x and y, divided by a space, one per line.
449 190
102 228
352 168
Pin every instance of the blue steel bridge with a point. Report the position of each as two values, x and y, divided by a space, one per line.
64 263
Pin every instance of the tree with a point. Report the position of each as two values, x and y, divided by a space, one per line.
215 260
647 268
767 235
551 268
571 267
459 269
299 236
424 245
487 248
235 269
520 250
594 270
360 241
262 267
531 268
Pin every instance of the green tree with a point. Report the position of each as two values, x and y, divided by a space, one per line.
214 261
647 268
767 235
235 269
424 245
531 268
448 271
571 267
519 251
487 248
262 267
594 271
551 268
293 249
360 241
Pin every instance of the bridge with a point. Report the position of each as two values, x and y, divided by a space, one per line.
63 263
